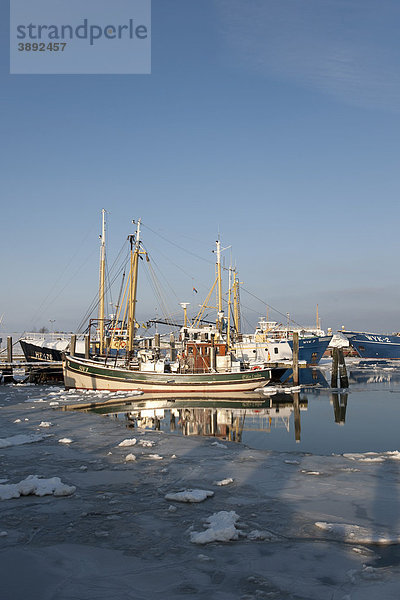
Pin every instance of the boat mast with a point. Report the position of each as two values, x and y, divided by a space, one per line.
236 313
219 287
102 278
135 245
228 333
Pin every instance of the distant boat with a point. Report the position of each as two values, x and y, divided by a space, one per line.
375 345
273 342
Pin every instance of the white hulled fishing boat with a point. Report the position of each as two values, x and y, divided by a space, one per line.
205 365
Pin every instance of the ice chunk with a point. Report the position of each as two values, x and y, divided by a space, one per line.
128 442
65 441
130 457
45 424
220 528
190 496
34 485
226 481
146 443
154 456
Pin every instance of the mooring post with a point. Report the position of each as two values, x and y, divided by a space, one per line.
9 349
87 346
335 367
295 358
8 370
344 380
72 345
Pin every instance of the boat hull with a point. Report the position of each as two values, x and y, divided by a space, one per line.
374 345
312 349
89 375
36 353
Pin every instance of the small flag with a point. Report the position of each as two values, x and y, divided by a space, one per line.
195 291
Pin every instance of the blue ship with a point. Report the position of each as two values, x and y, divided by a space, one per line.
375 345
311 349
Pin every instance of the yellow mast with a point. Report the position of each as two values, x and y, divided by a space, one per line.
133 279
102 279
236 314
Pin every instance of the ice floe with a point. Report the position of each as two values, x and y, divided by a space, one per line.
65 441
190 496
18 440
357 534
226 481
130 457
45 424
128 442
220 527
36 486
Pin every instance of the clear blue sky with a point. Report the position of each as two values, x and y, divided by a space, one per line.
273 122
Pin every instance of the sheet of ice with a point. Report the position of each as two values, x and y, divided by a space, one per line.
65 441
18 440
357 534
36 486
377 457
190 496
220 527
128 442
226 481
219 445
154 456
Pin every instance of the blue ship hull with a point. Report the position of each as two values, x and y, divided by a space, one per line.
312 349
374 345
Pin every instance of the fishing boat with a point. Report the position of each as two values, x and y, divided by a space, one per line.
273 342
374 345
204 365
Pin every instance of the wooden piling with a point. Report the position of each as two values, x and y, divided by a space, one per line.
344 380
335 367
72 345
9 349
87 346
295 358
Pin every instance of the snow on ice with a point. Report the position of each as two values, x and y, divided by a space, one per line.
190 496
220 527
36 486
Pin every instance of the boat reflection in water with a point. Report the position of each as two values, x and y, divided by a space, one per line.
224 418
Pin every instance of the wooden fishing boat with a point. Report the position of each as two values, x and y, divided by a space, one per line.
203 366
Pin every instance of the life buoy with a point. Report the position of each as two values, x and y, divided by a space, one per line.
255 368
122 345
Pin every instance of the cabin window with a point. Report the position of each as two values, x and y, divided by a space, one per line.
190 350
276 350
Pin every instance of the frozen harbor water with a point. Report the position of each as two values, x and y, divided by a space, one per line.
193 516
